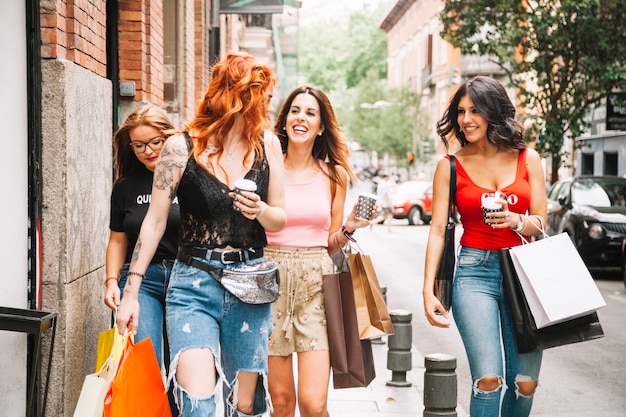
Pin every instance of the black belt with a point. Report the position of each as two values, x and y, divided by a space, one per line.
185 253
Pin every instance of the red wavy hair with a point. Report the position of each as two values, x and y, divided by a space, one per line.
239 87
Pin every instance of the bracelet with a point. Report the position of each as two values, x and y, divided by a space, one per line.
347 234
521 225
109 279
129 273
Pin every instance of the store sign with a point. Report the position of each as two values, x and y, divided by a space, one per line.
251 6
616 111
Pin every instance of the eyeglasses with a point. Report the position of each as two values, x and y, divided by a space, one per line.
155 144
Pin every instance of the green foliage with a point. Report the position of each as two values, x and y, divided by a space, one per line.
562 56
350 65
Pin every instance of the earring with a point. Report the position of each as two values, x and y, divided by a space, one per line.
320 134
284 128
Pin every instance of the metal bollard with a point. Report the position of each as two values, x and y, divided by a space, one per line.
399 359
379 340
440 386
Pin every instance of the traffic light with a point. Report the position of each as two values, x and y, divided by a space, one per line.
411 157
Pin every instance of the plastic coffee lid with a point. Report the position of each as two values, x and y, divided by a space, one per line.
491 203
245 185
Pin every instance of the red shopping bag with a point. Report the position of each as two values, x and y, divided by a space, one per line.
137 389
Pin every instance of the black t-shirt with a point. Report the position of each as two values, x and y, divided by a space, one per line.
130 199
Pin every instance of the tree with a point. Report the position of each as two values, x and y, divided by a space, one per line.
381 120
563 57
350 64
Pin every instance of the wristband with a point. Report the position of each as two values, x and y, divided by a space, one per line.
520 224
106 281
347 234
129 273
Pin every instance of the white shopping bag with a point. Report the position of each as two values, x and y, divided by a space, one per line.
555 280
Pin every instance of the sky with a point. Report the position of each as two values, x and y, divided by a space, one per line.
313 10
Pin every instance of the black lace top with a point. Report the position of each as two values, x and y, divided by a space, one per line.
207 216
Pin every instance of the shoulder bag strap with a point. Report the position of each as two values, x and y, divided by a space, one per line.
452 203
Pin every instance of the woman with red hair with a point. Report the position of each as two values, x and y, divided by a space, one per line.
212 334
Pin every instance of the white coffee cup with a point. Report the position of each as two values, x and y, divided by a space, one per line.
490 204
364 206
243 184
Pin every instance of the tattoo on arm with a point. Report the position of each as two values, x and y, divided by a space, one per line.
135 255
172 159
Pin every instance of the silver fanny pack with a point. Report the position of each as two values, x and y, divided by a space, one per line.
252 284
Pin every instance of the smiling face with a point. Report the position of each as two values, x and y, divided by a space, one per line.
149 135
303 122
471 122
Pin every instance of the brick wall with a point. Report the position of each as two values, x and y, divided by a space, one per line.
75 30
141 48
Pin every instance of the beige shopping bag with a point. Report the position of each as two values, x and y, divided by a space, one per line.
372 314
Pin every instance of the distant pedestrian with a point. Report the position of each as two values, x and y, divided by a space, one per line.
384 198
493 161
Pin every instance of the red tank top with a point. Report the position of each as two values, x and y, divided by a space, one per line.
477 234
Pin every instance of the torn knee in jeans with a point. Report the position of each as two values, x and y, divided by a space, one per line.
251 399
193 397
488 384
526 386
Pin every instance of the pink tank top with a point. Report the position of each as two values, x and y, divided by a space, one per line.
308 208
476 234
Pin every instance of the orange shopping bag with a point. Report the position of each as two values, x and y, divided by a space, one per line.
137 389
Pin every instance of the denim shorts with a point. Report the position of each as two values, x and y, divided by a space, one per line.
202 314
482 316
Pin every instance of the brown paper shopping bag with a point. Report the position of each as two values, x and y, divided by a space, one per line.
372 314
351 359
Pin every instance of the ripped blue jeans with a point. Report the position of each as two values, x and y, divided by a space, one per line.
481 314
200 313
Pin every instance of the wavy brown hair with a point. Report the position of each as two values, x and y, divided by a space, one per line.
239 87
330 146
125 161
492 102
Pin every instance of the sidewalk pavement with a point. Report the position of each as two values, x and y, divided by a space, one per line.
378 399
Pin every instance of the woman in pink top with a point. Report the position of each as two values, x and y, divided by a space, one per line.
493 161
317 173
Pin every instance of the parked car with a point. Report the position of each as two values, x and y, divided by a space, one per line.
592 211
413 200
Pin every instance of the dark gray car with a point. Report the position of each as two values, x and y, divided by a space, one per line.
592 211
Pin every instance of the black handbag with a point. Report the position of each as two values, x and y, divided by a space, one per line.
531 339
445 272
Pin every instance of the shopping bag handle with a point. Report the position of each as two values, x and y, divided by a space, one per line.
541 228
344 256
126 337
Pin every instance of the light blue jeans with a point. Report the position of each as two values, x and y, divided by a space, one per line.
152 306
202 314
481 314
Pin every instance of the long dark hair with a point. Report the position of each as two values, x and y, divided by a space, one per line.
125 160
330 146
492 102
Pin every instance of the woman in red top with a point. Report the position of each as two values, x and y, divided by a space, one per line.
493 161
